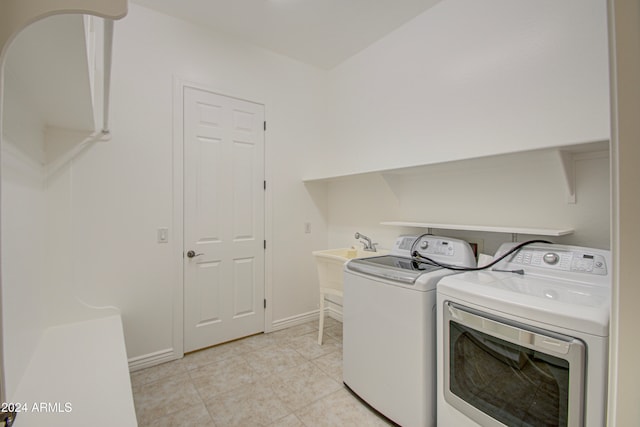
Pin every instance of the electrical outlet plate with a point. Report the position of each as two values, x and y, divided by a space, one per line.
477 245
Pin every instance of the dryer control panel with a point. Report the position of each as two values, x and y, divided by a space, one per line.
573 261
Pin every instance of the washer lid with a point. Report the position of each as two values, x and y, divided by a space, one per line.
577 306
391 267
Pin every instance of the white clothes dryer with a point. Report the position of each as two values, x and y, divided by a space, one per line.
389 326
526 345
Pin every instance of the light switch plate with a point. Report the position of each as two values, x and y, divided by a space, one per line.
163 235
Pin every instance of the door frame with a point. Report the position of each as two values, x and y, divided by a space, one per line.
177 236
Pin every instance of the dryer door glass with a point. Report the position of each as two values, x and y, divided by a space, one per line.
511 382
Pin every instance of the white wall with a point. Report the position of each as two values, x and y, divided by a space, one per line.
121 189
519 190
624 381
467 79
23 231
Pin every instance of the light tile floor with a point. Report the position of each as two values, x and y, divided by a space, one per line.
281 379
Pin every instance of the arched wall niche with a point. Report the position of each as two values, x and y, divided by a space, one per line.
15 16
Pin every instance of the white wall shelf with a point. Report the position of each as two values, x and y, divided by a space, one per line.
566 154
554 232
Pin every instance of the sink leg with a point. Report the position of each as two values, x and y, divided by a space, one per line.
321 325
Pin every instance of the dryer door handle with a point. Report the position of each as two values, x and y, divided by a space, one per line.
524 335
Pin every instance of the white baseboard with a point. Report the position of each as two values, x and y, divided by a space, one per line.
167 355
334 314
298 319
152 359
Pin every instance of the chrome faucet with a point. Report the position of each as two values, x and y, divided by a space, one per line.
366 242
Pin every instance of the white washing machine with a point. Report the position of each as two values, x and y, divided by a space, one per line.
389 324
527 346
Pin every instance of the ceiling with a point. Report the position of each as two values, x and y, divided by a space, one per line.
319 32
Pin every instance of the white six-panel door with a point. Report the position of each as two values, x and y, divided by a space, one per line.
223 218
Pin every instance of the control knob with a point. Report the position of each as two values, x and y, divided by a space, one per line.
551 258
424 244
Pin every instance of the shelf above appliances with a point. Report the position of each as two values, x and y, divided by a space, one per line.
514 231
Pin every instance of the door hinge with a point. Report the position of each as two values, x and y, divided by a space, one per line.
265 185
265 303
265 244
265 125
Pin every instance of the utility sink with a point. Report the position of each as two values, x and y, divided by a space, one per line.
330 264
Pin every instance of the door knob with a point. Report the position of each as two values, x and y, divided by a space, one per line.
192 254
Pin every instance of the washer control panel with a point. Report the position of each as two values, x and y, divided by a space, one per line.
429 245
573 261
441 249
